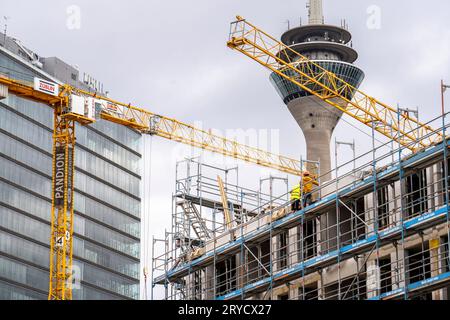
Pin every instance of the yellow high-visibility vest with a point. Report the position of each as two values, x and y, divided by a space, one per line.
295 193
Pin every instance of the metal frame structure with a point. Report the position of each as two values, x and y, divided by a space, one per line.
353 243
61 242
197 189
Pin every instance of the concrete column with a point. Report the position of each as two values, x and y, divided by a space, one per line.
275 254
240 269
397 269
294 292
404 263
438 175
392 204
190 288
294 245
398 201
209 283
319 236
369 212
320 287
430 189
373 279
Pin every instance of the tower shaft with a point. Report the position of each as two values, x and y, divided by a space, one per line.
315 12
317 121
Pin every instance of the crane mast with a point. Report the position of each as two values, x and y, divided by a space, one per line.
61 242
61 228
318 81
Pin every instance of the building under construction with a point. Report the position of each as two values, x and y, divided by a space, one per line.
378 227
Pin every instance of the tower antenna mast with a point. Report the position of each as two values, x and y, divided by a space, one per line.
315 12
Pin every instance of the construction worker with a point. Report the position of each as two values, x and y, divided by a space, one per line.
307 185
295 198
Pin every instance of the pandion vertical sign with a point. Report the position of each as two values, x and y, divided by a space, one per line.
60 176
69 178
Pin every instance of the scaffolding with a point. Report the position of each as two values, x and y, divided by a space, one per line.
378 230
199 215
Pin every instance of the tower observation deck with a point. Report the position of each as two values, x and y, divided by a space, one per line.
330 47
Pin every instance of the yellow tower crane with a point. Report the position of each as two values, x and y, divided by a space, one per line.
316 80
72 106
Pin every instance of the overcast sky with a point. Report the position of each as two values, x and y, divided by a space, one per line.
171 58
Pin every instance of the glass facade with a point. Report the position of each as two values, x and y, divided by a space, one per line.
288 91
107 201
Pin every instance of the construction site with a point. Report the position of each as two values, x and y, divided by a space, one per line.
376 227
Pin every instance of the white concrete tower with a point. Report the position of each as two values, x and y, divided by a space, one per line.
329 47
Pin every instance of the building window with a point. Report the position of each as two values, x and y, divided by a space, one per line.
282 250
351 223
226 276
197 285
258 261
74 77
383 207
309 292
265 257
307 240
445 194
416 194
253 266
351 288
418 263
385 275
358 226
